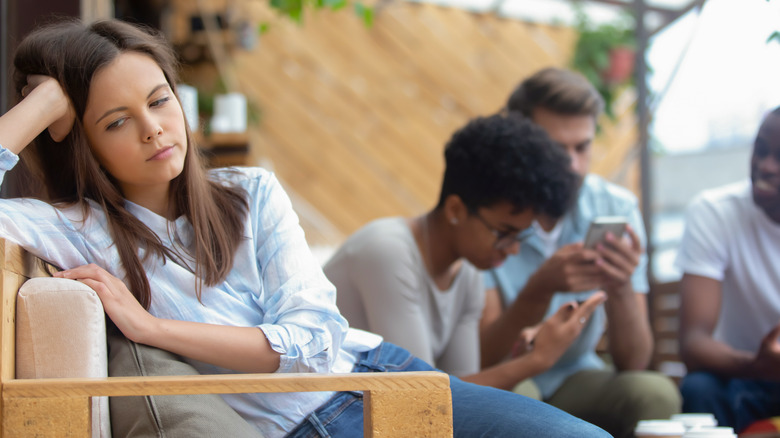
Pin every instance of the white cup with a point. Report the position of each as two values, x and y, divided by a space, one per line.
696 420
659 429
710 432
188 96
230 106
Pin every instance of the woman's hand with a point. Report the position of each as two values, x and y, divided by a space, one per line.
119 303
57 105
557 332
45 106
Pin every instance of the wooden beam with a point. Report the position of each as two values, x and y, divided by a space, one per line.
224 384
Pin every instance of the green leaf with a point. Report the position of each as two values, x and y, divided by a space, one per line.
774 37
366 13
291 8
263 28
335 4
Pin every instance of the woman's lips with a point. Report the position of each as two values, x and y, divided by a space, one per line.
162 154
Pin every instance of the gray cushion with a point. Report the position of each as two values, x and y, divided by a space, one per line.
169 416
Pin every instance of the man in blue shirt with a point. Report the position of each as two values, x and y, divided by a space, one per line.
553 268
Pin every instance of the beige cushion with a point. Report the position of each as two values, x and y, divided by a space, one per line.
61 332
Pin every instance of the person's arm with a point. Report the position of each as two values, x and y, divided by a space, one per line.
461 355
54 238
553 338
701 299
243 349
298 303
628 329
45 106
569 269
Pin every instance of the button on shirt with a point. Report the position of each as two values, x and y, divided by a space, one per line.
597 197
275 283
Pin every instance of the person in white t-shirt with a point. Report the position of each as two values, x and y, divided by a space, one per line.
730 311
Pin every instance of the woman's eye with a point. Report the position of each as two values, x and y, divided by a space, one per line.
115 124
161 101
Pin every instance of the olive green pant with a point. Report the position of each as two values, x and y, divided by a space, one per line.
613 401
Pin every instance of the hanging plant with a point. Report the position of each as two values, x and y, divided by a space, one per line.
605 55
295 8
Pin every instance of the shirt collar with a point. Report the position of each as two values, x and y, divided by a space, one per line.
179 230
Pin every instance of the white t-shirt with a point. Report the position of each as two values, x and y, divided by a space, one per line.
549 239
730 239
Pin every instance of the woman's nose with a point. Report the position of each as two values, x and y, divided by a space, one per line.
154 133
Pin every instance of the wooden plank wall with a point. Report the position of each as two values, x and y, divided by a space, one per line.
354 119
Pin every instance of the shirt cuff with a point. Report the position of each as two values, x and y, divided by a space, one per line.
300 351
8 159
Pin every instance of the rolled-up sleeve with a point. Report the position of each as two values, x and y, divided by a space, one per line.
53 234
301 320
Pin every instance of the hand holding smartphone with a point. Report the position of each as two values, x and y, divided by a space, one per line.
597 232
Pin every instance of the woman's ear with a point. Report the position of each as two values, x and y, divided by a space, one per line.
455 210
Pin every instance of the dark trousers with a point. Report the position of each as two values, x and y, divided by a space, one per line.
734 402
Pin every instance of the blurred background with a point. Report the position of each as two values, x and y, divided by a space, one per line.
351 103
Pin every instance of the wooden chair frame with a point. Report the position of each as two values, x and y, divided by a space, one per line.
395 404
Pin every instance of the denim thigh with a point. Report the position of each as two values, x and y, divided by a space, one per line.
478 411
342 415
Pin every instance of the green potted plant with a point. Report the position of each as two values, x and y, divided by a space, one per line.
605 55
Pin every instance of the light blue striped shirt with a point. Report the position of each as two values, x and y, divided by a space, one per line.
275 284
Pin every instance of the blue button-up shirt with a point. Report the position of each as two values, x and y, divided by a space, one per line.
275 283
597 197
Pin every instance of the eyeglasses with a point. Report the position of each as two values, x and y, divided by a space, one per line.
505 239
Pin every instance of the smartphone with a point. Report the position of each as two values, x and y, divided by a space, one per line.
597 232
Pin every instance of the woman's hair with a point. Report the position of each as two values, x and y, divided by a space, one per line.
507 159
558 90
72 52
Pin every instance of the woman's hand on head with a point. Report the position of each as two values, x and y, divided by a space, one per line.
58 107
118 302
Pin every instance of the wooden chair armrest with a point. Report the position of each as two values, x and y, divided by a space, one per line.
395 404
224 384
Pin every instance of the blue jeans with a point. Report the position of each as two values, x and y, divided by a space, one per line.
734 402
478 411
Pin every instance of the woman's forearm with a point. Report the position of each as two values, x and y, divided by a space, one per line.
22 123
244 349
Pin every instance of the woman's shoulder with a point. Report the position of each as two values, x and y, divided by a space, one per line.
256 182
241 176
